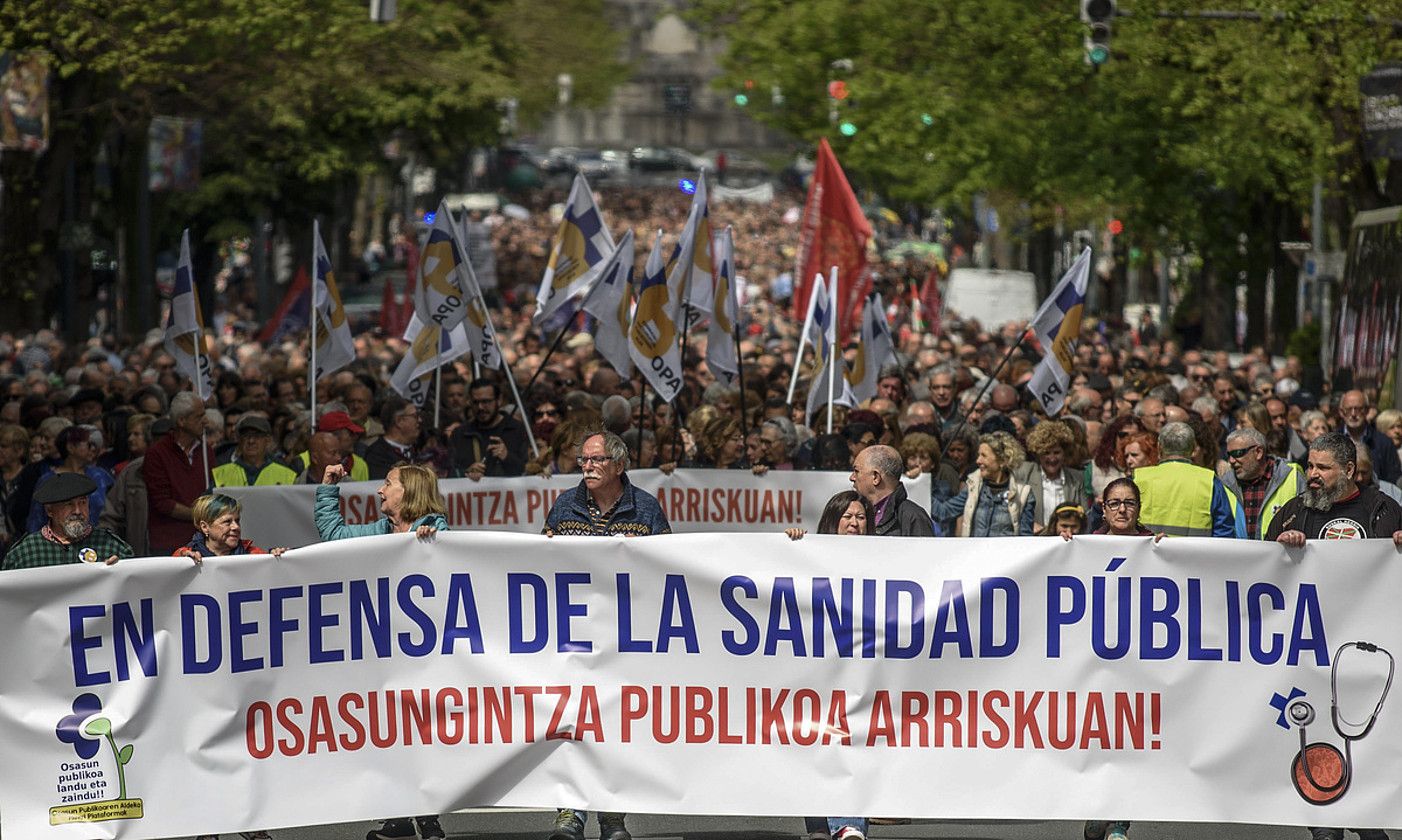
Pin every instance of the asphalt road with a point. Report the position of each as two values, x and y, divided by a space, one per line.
510 824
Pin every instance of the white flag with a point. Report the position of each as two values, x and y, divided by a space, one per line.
1057 325
334 346
611 303
831 378
652 339
184 338
699 285
875 349
580 246
429 347
721 355
481 333
438 293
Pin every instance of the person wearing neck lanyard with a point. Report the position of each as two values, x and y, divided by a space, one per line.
1334 507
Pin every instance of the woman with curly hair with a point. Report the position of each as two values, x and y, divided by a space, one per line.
994 501
1053 480
1140 449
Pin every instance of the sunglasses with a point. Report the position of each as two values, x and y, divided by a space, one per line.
1238 454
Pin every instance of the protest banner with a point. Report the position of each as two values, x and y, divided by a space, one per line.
694 500
1014 678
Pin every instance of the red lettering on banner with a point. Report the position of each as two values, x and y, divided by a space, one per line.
693 505
692 714
321 734
881 724
358 509
492 508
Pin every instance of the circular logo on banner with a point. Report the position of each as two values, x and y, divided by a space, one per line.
87 555
1342 528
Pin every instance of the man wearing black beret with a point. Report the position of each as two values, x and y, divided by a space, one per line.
68 537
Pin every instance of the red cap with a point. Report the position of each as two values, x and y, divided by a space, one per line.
334 421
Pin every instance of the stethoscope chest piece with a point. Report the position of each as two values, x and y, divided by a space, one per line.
1326 777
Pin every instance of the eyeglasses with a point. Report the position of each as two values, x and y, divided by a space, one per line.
1121 504
1352 409
1238 454
589 460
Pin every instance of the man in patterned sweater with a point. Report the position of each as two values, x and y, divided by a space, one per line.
68 537
604 504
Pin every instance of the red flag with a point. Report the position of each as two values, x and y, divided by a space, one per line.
833 232
293 313
931 307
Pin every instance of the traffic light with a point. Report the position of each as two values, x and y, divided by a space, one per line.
1098 15
848 128
742 100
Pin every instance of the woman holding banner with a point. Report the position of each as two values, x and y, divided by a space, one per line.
849 514
218 531
410 501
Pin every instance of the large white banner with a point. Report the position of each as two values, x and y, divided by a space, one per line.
1021 678
694 501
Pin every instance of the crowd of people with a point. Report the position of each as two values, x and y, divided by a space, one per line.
106 453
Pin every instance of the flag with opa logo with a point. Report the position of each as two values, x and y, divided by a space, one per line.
184 339
1057 325
611 302
334 346
577 252
652 340
720 338
438 292
875 349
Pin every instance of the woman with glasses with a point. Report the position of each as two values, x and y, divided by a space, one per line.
1121 505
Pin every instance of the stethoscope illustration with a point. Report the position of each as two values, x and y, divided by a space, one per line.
1320 771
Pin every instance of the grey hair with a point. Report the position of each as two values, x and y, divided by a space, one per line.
786 428
184 404
717 391
630 438
1308 417
1206 405
1246 433
1177 440
886 461
616 414
1338 445
942 369
613 445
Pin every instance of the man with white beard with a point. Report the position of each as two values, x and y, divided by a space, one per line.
604 504
68 536
1333 506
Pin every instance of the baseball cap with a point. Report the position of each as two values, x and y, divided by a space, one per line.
334 421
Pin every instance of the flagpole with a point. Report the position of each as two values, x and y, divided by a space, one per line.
642 406
313 317
515 394
832 345
802 340
563 330
740 375
438 385
987 383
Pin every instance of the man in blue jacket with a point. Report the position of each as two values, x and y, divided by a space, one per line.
605 504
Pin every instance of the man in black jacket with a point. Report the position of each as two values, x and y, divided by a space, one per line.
876 476
1333 506
490 442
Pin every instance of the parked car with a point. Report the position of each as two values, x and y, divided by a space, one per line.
735 162
591 164
657 159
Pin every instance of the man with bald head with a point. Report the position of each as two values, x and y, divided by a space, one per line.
1353 408
323 450
876 476
1150 412
1003 399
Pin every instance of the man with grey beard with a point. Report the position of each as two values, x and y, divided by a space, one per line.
68 537
1333 506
